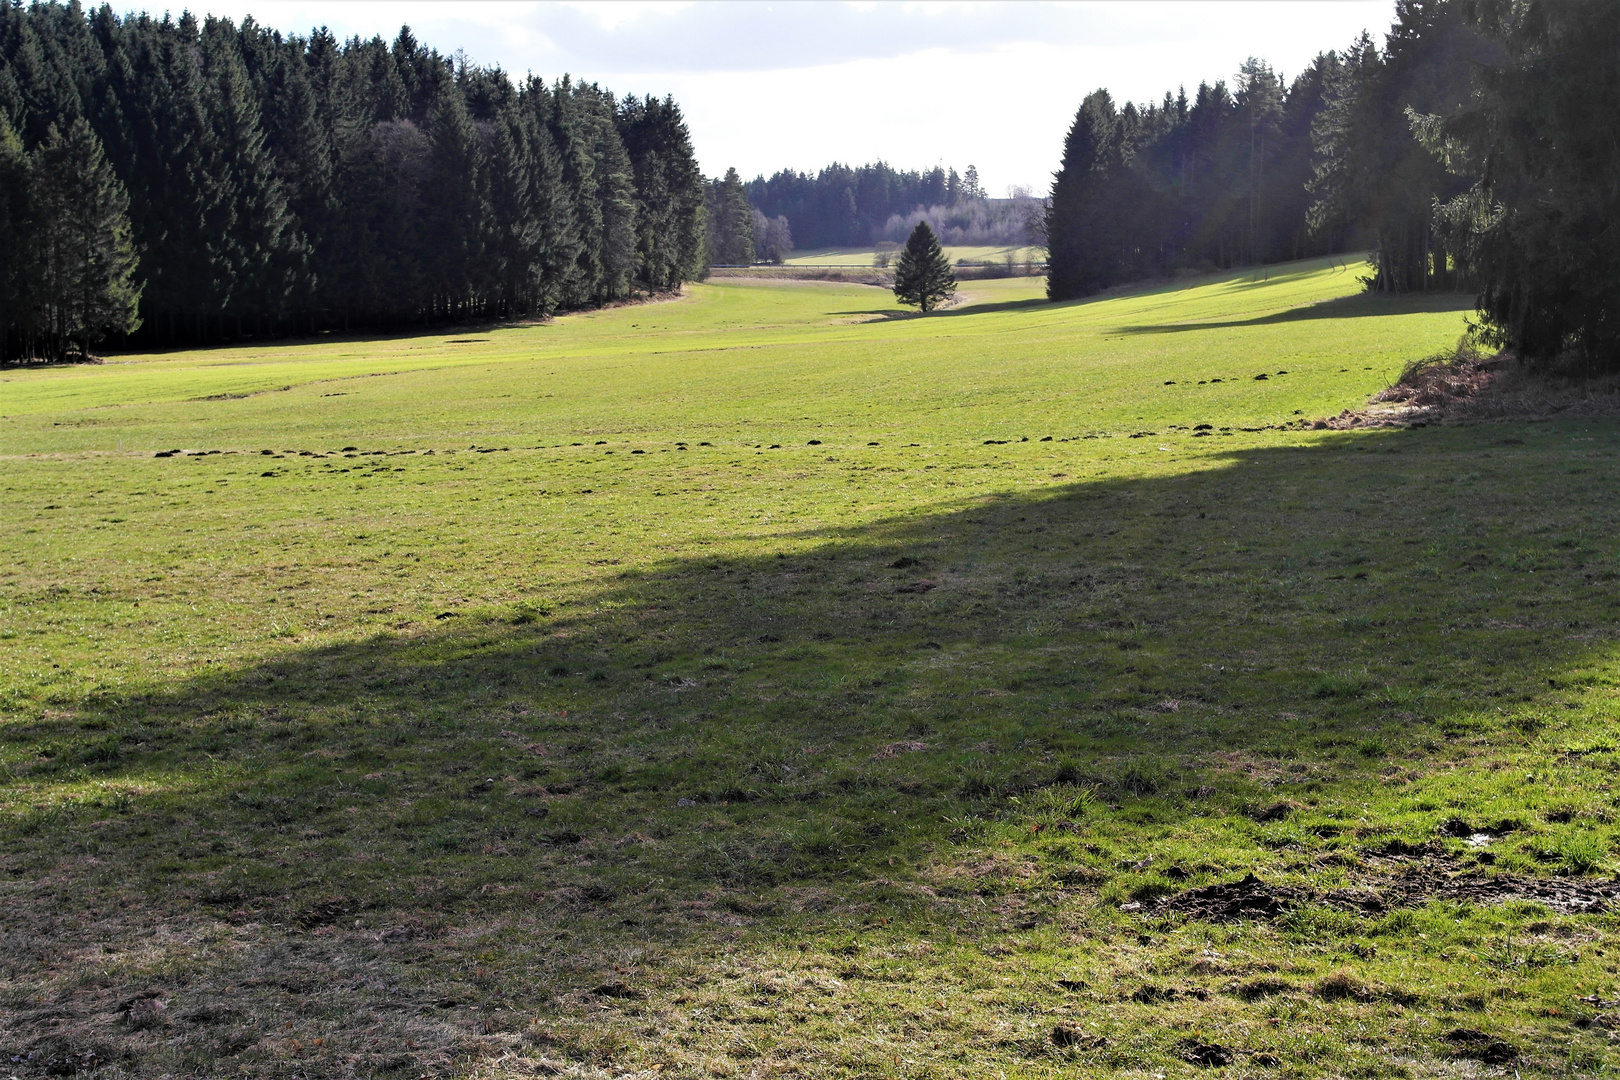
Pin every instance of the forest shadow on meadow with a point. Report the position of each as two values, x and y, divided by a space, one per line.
789 740
1284 604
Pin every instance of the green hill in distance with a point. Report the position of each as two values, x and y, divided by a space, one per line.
773 681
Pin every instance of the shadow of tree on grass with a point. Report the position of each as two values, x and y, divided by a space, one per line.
1358 306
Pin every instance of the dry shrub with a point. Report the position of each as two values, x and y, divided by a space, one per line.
1440 380
1465 386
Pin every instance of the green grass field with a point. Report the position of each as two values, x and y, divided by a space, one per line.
771 682
863 256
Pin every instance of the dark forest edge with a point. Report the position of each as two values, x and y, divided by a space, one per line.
174 183
181 182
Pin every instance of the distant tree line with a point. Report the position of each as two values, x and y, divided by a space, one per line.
1478 148
843 206
185 181
1014 221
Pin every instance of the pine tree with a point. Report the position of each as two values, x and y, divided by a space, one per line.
1073 231
1540 226
84 287
922 276
670 227
731 222
15 246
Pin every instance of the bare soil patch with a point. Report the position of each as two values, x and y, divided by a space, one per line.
1415 881
1467 388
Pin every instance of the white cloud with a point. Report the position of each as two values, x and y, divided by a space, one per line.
767 85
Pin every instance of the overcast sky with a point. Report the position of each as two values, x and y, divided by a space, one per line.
767 85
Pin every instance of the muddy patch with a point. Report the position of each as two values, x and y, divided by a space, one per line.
1480 1046
1249 898
1414 883
1427 881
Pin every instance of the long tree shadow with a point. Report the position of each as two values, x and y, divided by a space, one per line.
783 726
1304 581
1358 306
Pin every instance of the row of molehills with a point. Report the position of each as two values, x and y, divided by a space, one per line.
1195 430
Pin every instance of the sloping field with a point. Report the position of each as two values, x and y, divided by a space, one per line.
773 683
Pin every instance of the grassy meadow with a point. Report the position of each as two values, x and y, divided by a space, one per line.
773 682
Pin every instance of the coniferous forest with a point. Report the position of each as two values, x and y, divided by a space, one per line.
170 182
1476 149
1264 171
843 205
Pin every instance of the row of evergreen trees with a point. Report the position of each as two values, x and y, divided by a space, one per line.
215 180
842 206
1264 172
1214 181
1478 148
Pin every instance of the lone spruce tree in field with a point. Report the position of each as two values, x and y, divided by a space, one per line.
922 276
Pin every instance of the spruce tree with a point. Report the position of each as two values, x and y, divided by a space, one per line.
922 276
511 259
1540 227
454 204
1260 106
564 113
669 191
255 235
616 254
1372 174
84 287
16 250
731 222
552 196
1071 217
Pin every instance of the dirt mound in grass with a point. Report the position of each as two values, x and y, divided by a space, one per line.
1414 883
1568 895
1249 898
1465 387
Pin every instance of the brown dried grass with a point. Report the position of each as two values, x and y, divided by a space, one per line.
1467 387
